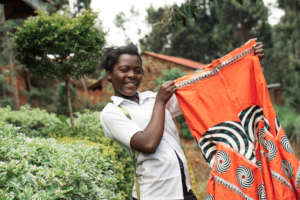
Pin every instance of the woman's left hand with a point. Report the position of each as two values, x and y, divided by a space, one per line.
258 50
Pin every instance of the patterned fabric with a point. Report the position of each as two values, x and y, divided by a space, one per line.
228 110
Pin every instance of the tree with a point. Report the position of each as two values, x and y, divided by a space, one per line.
286 52
55 5
121 19
81 5
58 46
203 30
6 56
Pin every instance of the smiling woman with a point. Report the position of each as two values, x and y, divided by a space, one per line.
142 123
126 76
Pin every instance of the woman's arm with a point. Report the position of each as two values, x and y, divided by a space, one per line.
147 140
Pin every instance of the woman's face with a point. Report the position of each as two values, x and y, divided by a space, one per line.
126 76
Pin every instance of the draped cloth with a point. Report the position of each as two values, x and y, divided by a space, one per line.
228 110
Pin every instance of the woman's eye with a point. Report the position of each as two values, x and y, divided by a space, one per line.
123 69
138 70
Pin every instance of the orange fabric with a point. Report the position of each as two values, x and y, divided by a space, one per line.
228 110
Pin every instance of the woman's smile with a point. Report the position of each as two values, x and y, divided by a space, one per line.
126 76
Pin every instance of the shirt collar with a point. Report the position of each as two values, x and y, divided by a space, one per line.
142 96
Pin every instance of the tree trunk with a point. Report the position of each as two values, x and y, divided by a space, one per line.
69 103
28 81
14 81
86 93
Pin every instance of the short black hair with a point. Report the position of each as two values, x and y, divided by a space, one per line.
112 54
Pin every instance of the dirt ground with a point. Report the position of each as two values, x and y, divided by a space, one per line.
201 170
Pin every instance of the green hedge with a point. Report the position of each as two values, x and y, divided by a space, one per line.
37 168
289 120
34 122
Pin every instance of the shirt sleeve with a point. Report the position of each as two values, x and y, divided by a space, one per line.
117 126
173 106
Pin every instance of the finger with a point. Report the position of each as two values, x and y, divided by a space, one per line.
257 51
174 89
168 83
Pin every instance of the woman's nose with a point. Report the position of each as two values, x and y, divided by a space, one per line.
131 73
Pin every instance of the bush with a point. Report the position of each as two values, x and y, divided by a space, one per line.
184 129
37 168
44 97
289 120
34 122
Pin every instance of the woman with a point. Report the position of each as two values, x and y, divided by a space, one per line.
142 121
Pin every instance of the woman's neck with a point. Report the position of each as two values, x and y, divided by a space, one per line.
134 98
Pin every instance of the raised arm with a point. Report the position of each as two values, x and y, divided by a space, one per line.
148 140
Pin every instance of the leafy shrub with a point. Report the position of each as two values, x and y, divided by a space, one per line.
7 101
184 129
37 168
34 122
44 97
289 120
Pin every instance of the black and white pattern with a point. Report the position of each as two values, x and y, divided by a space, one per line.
258 163
209 197
287 169
239 136
271 149
261 192
223 162
261 136
286 144
297 179
230 133
244 176
277 125
250 118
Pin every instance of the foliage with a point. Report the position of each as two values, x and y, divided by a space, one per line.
289 120
286 55
5 89
5 44
36 168
34 122
44 97
203 30
121 19
59 46
167 75
61 103
55 5
81 5
184 129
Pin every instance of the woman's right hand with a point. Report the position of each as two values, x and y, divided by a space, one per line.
165 91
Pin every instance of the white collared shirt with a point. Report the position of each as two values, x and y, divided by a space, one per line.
158 173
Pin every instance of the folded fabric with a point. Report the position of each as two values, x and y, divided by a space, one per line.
228 110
